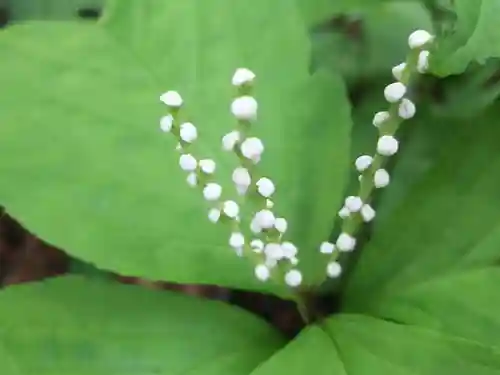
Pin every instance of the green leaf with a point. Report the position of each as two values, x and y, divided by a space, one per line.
23 10
475 37
77 326
440 243
359 345
108 186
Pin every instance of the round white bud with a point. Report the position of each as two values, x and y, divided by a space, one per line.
244 108
231 209
353 204
236 240
327 248
423 61
381 178
387 145
241 177
281 224
265 219
363 162
273 251
188 132
265 187
192 179
212 191
345 242
394 92
188 162
367 213
419 38
344 213
214 215
252 148
270 262
398 70
289 250
255 227
207 166
257 245
406 109
380 118
293 278
172 99
243 76
230 140
262 273
166 123
333 269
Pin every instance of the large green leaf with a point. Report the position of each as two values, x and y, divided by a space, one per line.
359 345
87 168
475 37
77 326
432 261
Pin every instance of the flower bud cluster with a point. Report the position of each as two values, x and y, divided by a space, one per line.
356 209
264 241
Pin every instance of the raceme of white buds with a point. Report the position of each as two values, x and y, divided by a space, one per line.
363 162
243 76
387 145
394 92
381 178
419 39
172 99
244 108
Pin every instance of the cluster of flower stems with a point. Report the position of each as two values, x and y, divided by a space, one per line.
274 257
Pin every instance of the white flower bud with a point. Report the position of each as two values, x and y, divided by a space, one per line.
244 108
289 250
257 246
243 76
262 273
423 62
265 187
207 166
419 38
293 278
172 99
269 203
231 209
406 109
255 227
394 92
270 263
367 213
294 261
387 145
230 140
214 215
398 70
345 242
236 240
252 148
381 178
265 219
166 123
273 251
353 204
212 191
192 179
188 132
333 269
326 248
344 213
241 177
188 162
281 224
363 163
380 118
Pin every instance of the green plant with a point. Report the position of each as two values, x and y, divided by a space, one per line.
84 166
